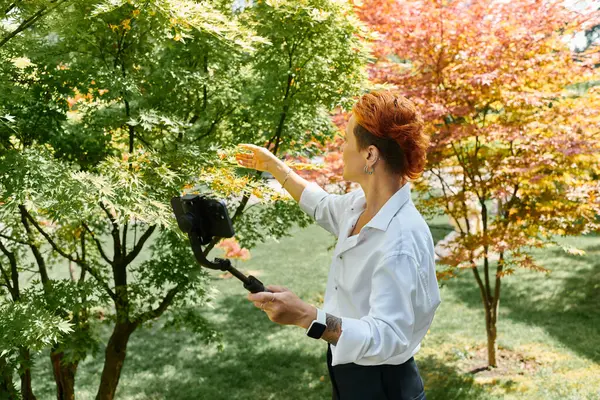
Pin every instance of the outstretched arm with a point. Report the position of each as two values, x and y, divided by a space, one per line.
261 159
326 209
294 183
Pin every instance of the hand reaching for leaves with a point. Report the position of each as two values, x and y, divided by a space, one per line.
259 158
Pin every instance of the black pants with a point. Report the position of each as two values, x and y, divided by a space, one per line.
375 382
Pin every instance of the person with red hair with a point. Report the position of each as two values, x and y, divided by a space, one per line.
382 290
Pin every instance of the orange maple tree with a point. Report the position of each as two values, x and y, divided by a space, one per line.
515 136
330 173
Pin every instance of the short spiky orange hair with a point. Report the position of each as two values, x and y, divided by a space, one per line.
392 123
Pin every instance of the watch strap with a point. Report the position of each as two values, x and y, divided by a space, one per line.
321 316
318 326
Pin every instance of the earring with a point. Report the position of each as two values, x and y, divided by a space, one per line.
372 168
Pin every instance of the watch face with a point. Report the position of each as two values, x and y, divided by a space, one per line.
316 330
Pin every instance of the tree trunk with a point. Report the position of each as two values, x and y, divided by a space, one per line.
490 305
64 376
114 358
7 387
25 374
490 328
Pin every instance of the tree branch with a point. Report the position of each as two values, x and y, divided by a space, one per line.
86 267
484 297
34 249
28 216
7 281
14 288
83 257
220 116
98 244
510 202
24 25
114 232
12 239
81 263
30 21
164 304
124 241
446 207
465 170
10 7
139 245
497 287
486 250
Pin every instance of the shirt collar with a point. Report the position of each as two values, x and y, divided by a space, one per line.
382 219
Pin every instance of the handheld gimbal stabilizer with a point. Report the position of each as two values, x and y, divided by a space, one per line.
203 218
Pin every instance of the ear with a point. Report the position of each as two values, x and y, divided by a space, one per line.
372 153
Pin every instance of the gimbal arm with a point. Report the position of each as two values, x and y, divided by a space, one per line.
251 284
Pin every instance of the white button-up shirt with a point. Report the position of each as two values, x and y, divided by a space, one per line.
382 281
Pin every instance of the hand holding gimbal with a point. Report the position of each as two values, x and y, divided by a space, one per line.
203 218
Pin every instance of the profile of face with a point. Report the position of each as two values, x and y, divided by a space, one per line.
355 159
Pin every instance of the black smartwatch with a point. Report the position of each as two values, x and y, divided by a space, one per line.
318 326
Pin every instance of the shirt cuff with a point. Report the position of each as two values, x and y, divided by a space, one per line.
351 344
311 196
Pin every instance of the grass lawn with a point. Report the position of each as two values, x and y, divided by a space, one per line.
549 327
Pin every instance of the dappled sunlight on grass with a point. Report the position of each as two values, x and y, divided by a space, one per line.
246 369
553 318
550 322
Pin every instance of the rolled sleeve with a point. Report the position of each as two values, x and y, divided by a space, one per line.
311 197
387 333
323 207
355 338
